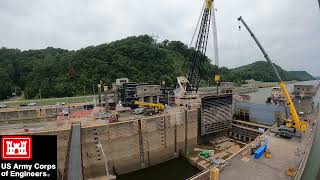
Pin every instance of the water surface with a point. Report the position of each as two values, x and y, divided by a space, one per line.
175 169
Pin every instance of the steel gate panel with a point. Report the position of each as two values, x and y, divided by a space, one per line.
216 113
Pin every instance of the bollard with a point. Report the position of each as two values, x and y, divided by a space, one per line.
214 173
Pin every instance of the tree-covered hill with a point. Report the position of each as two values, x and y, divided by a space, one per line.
58 72
300 75
262 71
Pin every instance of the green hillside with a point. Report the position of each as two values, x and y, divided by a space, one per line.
59 73
300 75
262 71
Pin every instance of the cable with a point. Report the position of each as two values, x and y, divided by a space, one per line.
196 29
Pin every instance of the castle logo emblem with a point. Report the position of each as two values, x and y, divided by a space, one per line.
16 148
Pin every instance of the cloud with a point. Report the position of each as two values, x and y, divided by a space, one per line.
288 29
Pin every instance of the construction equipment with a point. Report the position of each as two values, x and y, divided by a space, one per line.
295 122
156 107
187 88
268 153
198 55
217 77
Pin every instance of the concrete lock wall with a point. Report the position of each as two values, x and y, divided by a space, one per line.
120 144
131 145
136 144
28 114
261 113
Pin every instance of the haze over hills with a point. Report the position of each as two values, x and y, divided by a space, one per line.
59 73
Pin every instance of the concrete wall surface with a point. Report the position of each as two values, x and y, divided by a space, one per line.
28 113
137 144
261 113
131 145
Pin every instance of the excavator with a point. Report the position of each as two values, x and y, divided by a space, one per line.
293 123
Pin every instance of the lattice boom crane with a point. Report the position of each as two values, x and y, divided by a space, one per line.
198 55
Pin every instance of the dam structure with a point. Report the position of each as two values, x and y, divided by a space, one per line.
94 148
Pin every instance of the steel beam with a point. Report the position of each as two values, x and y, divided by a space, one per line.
75 171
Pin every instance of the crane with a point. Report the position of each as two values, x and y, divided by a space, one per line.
217 77
198 56
295 122
187 88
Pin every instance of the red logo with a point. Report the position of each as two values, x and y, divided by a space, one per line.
16 148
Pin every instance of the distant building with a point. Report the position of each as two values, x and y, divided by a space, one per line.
127 92
121 81
148 93
303 90
227 87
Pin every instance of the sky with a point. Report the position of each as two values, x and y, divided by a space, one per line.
288 29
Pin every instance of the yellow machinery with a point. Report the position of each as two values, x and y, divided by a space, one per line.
291 172
268 153
295 122
153 106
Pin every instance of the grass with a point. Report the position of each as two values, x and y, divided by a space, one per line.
50 101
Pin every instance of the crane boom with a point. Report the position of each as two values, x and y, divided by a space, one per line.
295 122
198 55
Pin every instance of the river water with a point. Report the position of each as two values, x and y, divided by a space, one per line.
175 169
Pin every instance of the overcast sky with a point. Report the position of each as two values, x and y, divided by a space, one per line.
288 29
